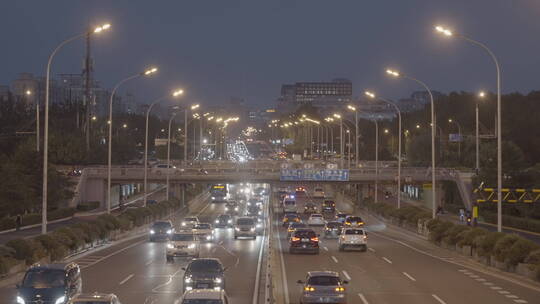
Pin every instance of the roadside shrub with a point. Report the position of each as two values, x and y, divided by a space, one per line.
533 257
485 243
54 248
469 236
502 247
6 251
520 251
59 214
431 224
4 267
7 223
29 219
75 241
91 231
87 206
440 231
455 234
125 223
110 222
27 250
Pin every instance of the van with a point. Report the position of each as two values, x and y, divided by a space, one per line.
289 205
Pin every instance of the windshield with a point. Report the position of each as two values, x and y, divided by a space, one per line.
324 281
316 215
45 278
224 217
201 301
205 266
354 231
354 219
290 202
161 225
333 225
298 225
245 221
305 233
92 302
191 219
203 226
183 237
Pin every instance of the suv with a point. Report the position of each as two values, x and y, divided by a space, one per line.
323 287
205 273
161 230
340 217
204 231
245 227
211 296
293 226
95 298
353 237
232 207
189 222
224 221
254 211
318 193
182 245
305 240
354 221
51 283
310 208
332 229
329 206
290 218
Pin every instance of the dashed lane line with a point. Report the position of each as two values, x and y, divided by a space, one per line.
371 249
325 248
387 260
126 279
438 299
364 300
335 259
346 275
409 276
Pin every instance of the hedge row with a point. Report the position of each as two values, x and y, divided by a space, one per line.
513 221
8 222
87 206
506 248
60 242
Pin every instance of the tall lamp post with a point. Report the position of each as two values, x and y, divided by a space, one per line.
481 95
448 33
193 107
148 72
96 30
450 120
353 108
372 95
175 94
338 116
433 125
169 153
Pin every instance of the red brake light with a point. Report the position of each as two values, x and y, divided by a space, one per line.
295 239
314 239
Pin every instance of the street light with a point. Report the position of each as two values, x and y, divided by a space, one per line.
481 95
396 74
28 93
449 33
175 94
193 107
338 116
354 109
46 123
147 72
169 154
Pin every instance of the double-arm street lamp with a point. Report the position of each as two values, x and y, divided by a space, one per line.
338 116
355 110
174 94
372 95
148 72
96 30
394 73
448 33
193 107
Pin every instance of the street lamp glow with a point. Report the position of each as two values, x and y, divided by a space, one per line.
392 72
94 117
195 106
443 30
210 118
219 119
369 94
450 120
150 71
101 28
337 116
481 94
418 126
386 131
28 92
124 126
352 108
178 93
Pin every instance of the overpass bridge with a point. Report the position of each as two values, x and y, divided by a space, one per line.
94 179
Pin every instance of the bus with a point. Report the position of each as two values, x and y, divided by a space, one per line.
218 193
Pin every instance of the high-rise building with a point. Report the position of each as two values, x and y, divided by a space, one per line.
335 93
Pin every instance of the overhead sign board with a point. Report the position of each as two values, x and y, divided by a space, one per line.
339 175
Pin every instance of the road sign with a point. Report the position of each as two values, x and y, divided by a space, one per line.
341 175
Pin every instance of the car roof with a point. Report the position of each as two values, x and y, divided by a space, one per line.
322 274
209 294
316 214
53 266
89 297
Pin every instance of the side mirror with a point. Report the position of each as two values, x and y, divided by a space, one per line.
225 268
345 282
300 282
183 268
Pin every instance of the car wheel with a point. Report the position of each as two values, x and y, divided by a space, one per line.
170 259
236 237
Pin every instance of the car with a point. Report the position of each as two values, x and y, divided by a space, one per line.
332 229
253 211
289 204
205 273
50 283
182 245
232 207
323 287
189 222
293 226
95 298
245 227
205 296
304 240
161 230
340 217
204 231
310 208
316 219
300 191
353 221
353 237
253 202
328 206
224 221
289 218
318 193
260 191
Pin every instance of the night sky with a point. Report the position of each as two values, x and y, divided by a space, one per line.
228 48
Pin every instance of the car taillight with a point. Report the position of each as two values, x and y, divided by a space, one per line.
295 239
297 220
309 288
340 289
314 239
360 223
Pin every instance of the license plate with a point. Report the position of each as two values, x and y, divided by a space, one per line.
303 246
305 240
203 286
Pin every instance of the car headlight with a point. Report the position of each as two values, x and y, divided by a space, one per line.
187 280
191 246
229 221
20 300
218 280
252 229
208 237
237 229
169 231
235 208
170 246
152 232
217 221
213 197
259 225
183 223
60 300
260 212
226 208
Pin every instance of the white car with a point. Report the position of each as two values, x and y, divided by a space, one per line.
353 238
316 219
204 231
182 245
318 193
189 222
95 298
197 296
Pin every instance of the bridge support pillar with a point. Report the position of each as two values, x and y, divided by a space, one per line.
95 191
177 191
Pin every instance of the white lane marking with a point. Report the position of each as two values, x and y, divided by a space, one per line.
283 274
438 299
504 292
335 259
325 248
364 300
114 253
255 298
409 276
480 280
220 243
463 270
473 276
520 301
126 279
371 249
346 275
169 280
387 260
511 296
149 262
